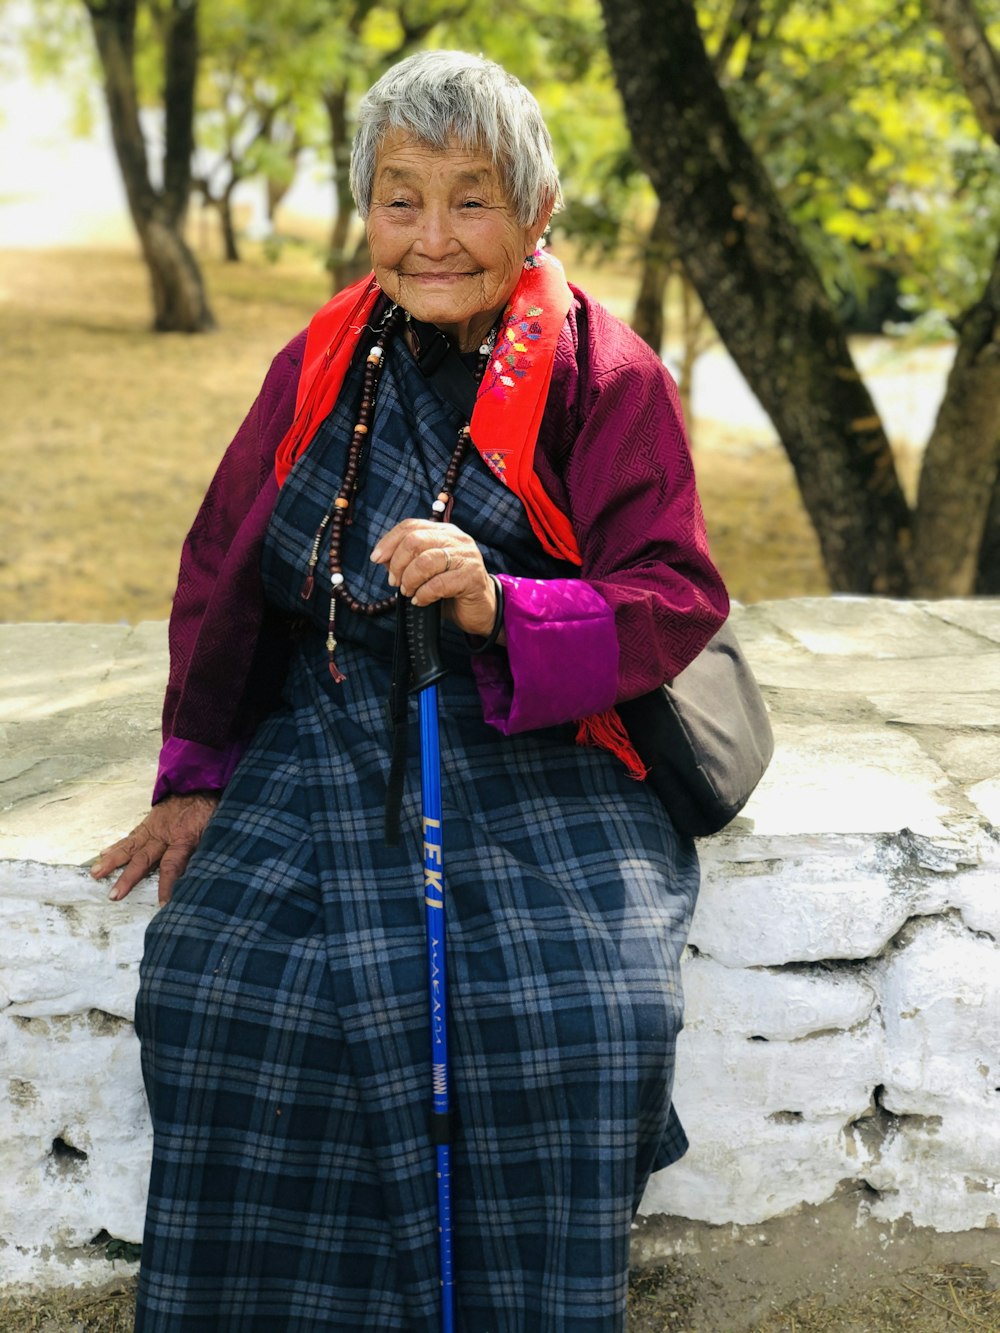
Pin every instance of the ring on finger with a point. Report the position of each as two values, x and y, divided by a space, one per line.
447 561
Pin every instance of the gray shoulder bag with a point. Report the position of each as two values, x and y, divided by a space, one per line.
704 736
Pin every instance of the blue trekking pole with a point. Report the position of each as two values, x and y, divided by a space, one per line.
423 629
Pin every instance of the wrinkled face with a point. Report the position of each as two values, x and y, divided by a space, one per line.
444 240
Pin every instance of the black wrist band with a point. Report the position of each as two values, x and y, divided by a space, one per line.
494 633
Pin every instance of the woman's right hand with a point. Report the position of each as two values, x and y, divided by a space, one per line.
165 838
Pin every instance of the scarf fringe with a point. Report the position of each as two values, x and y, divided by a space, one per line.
606 731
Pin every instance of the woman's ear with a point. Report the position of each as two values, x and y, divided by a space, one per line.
540 226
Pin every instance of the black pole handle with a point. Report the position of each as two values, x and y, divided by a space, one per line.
423 633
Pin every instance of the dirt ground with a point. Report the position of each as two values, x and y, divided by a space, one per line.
663 1299
957 1296
110 434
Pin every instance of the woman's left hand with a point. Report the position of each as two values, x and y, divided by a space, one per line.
437 562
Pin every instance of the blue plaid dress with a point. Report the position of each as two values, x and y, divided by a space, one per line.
283 1007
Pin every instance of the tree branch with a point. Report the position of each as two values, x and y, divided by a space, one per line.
976 62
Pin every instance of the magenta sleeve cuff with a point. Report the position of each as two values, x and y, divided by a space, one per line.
561 658
186 766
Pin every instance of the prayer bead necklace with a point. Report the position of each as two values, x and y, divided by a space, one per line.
340 515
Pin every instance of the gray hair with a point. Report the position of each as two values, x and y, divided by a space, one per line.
441 97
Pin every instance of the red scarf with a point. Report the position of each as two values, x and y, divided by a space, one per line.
511 400
505 421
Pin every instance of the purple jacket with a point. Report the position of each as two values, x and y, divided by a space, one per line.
612 454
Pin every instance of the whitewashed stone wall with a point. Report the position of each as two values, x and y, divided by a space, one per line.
843 987
843 984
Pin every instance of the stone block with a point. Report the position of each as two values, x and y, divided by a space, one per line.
74 1133
794 900
857 778
75 951
985 796
979 616
867 676
975 893
75 1138
774 1004
81 734
940 1172
872 627
751 1169
726 1077
940 989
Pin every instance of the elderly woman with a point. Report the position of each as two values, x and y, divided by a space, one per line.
465 428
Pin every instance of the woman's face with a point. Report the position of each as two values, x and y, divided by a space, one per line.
444 240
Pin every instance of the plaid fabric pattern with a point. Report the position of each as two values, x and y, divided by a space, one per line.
283 1010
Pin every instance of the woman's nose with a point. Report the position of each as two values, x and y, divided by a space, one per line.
436 238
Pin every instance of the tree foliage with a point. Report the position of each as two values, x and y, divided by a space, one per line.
872 145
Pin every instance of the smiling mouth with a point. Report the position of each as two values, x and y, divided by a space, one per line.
436 277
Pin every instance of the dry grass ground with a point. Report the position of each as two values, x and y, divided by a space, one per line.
72 1312
111 433
663 1300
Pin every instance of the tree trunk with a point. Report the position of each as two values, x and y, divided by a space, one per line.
276 191
179 301
988 569
693 343
647 317
960 465
277 187
761 291
230 245
342 261
966 438
178 292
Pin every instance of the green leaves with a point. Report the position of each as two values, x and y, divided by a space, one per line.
872 144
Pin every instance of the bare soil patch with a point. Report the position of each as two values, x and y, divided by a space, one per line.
111 434
958 1296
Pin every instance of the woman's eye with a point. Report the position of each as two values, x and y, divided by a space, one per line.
472 203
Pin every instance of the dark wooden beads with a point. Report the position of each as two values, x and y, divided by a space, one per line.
338 516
